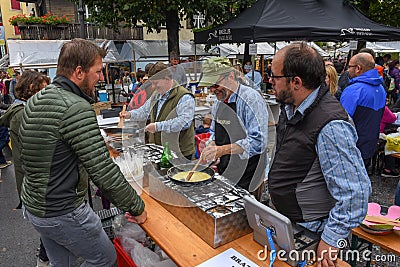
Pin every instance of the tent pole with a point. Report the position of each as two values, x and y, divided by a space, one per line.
195 64
108 80
253 63
134 60
262 66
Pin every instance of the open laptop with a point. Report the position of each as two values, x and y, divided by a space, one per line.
298 242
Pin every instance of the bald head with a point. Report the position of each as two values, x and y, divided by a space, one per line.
365 60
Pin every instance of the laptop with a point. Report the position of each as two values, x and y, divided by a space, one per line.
298 242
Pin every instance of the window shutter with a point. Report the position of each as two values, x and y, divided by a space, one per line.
15 5
16 30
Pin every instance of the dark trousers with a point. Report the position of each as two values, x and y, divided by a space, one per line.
4 138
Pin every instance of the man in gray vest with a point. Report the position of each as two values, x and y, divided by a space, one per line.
317 178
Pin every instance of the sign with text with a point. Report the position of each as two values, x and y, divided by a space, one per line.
252 49
228 258
353 45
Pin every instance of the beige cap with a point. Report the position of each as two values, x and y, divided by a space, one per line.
213 68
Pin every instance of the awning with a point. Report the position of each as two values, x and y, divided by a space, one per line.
44 53
374 46
142 50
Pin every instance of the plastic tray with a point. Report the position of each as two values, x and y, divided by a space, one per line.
123 258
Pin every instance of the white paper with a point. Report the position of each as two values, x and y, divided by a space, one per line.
228 258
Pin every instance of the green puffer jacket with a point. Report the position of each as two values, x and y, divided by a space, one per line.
61 146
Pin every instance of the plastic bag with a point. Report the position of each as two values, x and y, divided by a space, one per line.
144 257
131 230
392 144
128 244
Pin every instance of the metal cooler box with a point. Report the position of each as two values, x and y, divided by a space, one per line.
214 211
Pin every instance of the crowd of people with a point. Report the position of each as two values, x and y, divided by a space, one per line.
328 130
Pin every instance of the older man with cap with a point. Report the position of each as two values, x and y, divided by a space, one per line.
240 126
171 111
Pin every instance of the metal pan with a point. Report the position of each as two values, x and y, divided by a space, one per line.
186 168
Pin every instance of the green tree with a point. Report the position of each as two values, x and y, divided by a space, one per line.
155 14
382 11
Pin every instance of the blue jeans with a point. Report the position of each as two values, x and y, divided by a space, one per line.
397 196
4 138
75 234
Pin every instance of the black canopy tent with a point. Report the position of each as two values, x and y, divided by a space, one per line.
312 20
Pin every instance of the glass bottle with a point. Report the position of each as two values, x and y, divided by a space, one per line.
166 157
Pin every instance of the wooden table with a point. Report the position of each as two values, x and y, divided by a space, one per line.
389 242
187 249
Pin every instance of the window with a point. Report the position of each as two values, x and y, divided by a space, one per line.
15 5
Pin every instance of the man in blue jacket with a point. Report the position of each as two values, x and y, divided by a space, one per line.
364 100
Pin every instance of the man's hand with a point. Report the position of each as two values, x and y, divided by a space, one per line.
212 153
136 219
151 128
125 114
327 255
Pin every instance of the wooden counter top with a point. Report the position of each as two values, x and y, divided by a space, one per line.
187 249
390 242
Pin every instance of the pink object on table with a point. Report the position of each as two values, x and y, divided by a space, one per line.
374 209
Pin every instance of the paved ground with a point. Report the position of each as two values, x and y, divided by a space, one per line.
19 241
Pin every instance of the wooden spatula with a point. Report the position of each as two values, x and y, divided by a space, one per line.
121 119
190 174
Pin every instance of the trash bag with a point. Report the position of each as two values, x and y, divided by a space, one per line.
131 230
128 244
144 257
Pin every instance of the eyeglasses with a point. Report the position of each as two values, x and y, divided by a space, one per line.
352 66
217 83
272 76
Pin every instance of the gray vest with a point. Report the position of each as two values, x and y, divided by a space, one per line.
296 183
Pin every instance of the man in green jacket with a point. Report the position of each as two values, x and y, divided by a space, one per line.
61 147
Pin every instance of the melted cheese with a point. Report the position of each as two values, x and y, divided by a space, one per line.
196 177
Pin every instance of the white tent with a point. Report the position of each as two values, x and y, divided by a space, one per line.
154 50
280 45
44 53
378 48
112 52
395 45
34 53
232 50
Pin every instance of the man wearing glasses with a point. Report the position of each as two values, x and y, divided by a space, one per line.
239 129
171 112
364 99
317 178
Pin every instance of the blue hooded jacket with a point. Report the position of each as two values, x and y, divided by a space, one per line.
364 99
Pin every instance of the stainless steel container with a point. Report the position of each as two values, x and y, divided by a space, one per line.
214 211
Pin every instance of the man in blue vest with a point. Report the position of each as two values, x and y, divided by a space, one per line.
317 178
